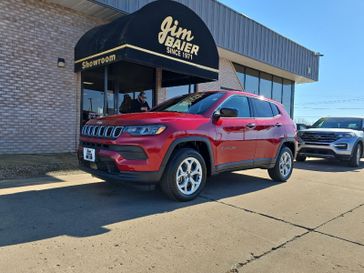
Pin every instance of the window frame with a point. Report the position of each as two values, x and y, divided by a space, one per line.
256 117
278 110
236 95
249 72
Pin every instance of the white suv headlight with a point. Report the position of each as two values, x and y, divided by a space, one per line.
145 130
346 135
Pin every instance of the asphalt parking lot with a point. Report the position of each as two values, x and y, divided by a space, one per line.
242 223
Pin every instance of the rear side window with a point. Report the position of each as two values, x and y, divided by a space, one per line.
262 109
240 103
275 109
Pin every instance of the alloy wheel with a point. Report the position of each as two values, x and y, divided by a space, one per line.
189 176
285 164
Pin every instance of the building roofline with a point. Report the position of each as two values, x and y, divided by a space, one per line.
235 32
274 31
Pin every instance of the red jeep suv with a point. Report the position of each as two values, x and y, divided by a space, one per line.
181 142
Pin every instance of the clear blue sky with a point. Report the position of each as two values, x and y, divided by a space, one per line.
334 28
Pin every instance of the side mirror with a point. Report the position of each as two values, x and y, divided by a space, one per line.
228 112
225 113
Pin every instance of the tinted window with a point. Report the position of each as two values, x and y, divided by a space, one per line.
262 109
197 103
345 123
275 109
240 103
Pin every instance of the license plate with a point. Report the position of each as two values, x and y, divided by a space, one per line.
89 154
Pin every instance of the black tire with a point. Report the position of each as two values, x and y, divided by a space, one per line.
355 157
169 184
275 172
300 158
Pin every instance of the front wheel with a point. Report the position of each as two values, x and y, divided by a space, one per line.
185 175
355 157
283 168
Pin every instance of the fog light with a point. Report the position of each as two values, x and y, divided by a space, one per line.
341 146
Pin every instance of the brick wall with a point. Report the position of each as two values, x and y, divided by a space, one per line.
227 78
39 102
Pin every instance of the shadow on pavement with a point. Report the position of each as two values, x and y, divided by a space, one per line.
324 165
84 210
15 183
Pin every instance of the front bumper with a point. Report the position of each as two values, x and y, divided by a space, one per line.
129 164
145 178
341 149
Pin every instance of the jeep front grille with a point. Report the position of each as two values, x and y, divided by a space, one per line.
310 137
101 131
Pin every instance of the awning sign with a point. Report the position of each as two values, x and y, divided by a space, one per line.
163 34
177 40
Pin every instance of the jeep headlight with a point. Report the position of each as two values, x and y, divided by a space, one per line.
145 130
345 135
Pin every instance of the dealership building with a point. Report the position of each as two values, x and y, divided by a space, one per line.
63 62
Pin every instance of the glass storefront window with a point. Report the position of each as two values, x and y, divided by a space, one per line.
110 103
277 89
130 80
125 82
176 91
240 72
252 80
92 104
287 95
92 95
127 101
149 97
265 86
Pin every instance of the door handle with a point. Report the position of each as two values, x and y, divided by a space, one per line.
278 124
233 128
251 125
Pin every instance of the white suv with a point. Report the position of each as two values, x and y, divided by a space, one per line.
340 138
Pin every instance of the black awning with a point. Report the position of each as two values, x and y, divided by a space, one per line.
163 34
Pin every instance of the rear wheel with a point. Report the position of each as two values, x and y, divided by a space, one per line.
300 158
355 157
185 175
282 170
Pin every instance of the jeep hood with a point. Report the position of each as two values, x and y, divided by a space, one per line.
144 118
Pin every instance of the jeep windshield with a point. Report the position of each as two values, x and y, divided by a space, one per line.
197 103
342 123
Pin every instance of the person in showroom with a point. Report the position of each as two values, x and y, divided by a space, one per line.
140 104
125 107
